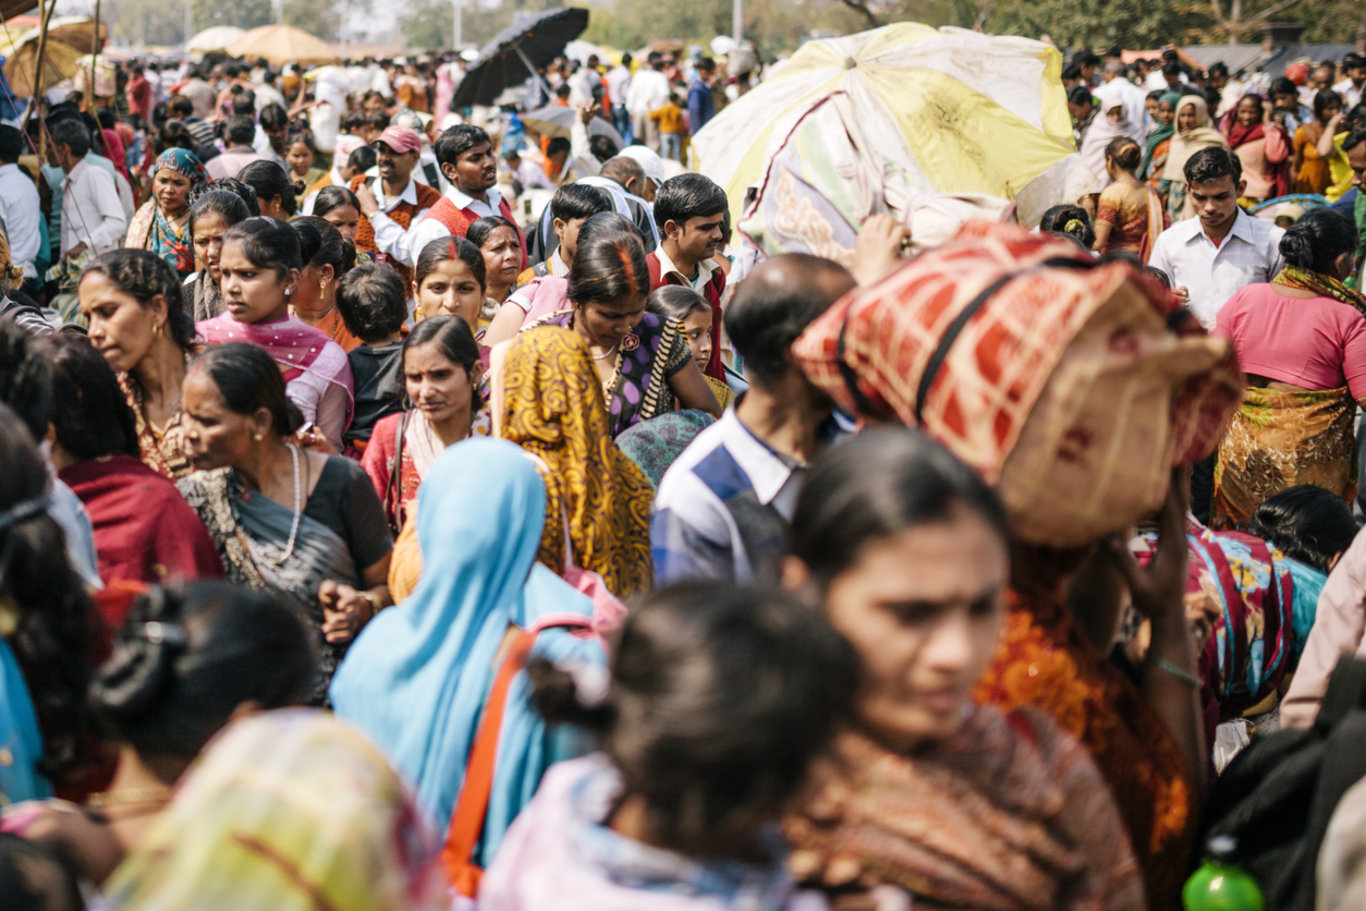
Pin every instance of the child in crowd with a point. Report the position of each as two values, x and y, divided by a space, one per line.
718 700
672 126
373 306
685 306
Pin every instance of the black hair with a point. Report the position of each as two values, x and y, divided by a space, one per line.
456 341
38 875
377 120
675 302
372 302
321 244
1071 222
301 136
143 275
687 196
72 133
445 249
1318 239
1351 60
181 106
269 180
875 486
456 141
578 200
234 186
1284 86
1171 68
602 148
175 135
1217 68
720 697
273 116
90 416
1323 99
558 144
1209 165
480 229
362 159
334 197
239 129
223 203
25 379
609 264
773 306
1354 139
187 657
1159 275
1156 94
248 379
1071 72
11 144
268 243
1124 152
54 635
1307 523
1079 94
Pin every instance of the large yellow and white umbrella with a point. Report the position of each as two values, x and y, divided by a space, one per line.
883 120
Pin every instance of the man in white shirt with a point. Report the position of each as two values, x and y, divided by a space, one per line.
1222 248
395 202
618 86
649 90
19 206
467 161
1353 88
92 216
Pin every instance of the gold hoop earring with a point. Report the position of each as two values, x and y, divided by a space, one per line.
156 330
258 437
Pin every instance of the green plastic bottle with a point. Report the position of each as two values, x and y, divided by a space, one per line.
1220 884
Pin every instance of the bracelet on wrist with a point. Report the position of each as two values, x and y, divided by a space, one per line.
1162 664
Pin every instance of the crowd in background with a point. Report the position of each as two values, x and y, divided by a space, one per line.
409 508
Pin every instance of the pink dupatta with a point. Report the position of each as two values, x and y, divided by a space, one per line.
308 359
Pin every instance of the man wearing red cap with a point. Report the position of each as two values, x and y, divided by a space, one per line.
395 202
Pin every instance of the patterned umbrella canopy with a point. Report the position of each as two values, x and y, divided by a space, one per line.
894 120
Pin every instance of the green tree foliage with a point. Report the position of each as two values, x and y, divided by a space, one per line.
246 14
159 22
317 17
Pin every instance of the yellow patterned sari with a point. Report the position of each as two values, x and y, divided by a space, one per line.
552 406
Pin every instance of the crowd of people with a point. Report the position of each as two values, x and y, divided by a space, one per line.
372 540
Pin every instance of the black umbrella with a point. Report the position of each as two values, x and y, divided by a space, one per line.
515 54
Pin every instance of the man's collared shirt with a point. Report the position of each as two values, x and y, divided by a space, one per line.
429 229
231 162
704 270
391 238
724 506
1249 253
22 212
91 211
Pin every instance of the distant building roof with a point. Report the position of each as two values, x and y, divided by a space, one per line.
1250 58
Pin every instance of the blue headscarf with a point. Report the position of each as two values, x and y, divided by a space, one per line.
19 736
182 161
416 678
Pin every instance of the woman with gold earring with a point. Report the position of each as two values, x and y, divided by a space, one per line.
327 256
261 270
132 299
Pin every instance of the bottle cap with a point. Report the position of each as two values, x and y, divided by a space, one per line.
1222 848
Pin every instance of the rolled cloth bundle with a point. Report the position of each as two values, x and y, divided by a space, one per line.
1073 386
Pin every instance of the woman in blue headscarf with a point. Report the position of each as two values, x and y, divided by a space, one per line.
417 678
162 224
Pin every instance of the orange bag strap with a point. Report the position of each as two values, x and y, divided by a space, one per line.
467 819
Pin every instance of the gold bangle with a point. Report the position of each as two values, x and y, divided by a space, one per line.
1162 664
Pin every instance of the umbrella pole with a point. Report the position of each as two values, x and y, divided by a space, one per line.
94 56
535 75
35 102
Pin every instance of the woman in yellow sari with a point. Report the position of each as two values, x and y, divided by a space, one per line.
549 400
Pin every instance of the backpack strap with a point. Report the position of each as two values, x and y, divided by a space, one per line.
471 807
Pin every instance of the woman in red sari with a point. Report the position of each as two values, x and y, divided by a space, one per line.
1064 385
144 530
1261 145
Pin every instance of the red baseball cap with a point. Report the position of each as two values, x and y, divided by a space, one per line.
400 139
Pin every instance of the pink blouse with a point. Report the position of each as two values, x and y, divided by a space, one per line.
1311 342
